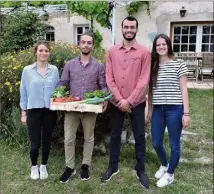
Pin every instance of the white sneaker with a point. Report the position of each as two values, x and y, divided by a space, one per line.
43 172
131 139
167 179
161 171
123 137
34 172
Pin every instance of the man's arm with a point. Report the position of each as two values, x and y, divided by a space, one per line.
102 78
110 78
143 81
65 78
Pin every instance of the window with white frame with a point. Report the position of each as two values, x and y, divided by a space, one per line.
79 30
207 38
50 35
193 37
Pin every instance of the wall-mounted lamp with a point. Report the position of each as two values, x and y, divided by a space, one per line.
44 16
182 12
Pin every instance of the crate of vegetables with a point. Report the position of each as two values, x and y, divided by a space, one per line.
92 102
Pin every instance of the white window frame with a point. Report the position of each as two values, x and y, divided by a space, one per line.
198 35
52 31
210 34
84 26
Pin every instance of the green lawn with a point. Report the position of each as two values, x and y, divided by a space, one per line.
191 177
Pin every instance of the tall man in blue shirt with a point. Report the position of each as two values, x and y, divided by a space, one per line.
80 75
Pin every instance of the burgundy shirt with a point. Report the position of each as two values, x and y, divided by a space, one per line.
80 79
128 73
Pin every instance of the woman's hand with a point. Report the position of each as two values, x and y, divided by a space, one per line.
185 121
105 105
24 118
148 116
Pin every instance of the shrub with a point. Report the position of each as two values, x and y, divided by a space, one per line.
12 130
20 30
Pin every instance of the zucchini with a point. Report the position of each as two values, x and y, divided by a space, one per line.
94 100
107 98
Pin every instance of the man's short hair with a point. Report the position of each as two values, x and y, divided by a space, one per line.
130 18
88 34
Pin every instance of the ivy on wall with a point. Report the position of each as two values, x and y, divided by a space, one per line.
133 7
89 10
98 11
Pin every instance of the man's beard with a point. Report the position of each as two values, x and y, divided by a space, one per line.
129 39
85 53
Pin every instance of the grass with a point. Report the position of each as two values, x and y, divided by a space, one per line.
191 177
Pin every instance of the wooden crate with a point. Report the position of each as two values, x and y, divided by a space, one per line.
76 106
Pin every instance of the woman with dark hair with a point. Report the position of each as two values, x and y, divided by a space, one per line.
168 106
37 83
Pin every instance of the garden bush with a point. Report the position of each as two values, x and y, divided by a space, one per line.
12 130
20 30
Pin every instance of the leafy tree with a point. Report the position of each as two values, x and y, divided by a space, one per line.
97 38
31 3
37 3
10 3
91 10
98 11
133 7
21 29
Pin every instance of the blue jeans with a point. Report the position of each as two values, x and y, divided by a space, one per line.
170 116
138 124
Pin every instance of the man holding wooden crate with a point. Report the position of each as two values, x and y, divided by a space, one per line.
80 75
127 77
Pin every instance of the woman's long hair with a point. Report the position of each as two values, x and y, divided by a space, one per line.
155 58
